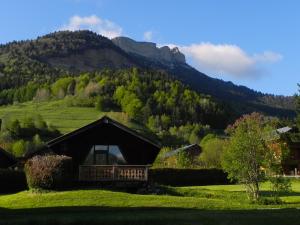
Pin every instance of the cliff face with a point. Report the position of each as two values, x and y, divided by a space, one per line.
150 50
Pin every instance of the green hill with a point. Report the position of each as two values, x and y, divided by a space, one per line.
67 118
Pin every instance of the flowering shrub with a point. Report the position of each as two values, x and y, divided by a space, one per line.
49 172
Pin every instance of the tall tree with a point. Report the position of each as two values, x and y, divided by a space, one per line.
245 153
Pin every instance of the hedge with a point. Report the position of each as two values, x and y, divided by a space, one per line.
49 172
187 177
12 181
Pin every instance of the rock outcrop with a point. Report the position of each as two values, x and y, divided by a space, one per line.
149 50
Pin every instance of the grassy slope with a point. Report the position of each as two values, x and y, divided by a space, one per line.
60 115
186 205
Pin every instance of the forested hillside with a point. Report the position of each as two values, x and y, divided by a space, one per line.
149 97
163 107
71 53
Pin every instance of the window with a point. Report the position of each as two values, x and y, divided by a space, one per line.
104 155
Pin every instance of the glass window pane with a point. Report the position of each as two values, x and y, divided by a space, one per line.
115 155
98 155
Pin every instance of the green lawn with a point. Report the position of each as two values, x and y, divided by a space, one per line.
223 204
63 117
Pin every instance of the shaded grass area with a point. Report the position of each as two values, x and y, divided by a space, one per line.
222 204
147 216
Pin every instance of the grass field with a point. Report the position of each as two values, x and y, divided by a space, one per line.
63 117
182 205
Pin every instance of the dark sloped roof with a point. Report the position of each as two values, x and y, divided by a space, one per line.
184 148
104 119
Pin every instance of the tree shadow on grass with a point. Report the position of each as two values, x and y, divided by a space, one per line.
283 194
146 216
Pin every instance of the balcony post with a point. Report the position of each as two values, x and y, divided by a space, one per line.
146 173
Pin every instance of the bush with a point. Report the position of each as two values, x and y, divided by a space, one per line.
187 177
19 148
279 185
184 160
12 181
49 172
212 150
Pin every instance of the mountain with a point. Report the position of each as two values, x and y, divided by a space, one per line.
65 52
163 55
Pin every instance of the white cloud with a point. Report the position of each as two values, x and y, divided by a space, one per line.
148 35
268 56
101 26
228 59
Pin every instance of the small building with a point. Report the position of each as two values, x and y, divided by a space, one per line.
106 150
192 150
291 164
6 159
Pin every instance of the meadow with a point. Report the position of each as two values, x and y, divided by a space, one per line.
219 204
65 118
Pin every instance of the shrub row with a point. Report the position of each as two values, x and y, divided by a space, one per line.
187 177
49 172
12 181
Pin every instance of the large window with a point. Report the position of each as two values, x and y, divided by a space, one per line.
104 155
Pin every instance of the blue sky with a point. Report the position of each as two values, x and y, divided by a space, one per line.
252 43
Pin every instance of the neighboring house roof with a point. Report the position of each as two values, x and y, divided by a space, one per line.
107 120
185 148
275 134
284 130
6 159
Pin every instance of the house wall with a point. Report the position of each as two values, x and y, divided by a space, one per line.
5 162
293 161
135 150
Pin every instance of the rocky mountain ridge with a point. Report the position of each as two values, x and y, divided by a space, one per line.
150 50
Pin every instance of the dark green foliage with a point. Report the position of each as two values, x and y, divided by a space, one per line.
20 94
49 172
19 148
12 181
190 133
25 136
187 177
279 185
184 160
212 150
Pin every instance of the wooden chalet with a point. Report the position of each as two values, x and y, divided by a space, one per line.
291 164
6 159
106 150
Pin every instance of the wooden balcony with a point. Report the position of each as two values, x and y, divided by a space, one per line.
97 173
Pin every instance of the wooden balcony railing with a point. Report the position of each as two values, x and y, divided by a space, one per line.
113 173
